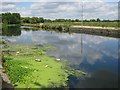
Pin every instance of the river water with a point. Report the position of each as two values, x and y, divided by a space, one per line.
95 55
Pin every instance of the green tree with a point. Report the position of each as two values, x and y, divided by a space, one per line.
98 20
33 20
11 18
41 20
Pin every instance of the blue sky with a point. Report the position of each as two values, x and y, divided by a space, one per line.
103 9
24 4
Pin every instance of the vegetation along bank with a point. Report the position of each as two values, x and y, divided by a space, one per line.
57 24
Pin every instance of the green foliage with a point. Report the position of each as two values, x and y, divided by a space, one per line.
11 18
101 24
98 20
41 20
25 20
2 42
32 20
15 71
56 25
14 18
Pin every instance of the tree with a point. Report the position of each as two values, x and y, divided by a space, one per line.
33 20
98 20
76 20
93 20
11 18
41 19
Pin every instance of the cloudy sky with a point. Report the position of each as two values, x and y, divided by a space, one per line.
69 9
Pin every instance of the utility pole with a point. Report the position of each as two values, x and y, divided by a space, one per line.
81 34
82 13
118 54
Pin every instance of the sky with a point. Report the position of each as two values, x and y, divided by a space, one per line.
68 9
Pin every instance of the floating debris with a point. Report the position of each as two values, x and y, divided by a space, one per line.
35 70
84 73
58 59
26 67
17 52
46 66
38 60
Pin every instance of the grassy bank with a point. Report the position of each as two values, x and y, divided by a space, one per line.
101 24
28 66
54 25
66 25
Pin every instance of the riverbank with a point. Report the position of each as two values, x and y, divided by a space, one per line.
66 25
108 31
93 30
53 26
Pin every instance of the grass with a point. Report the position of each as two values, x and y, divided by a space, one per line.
25 72
65 25
101 24
53 25
2 41
56 25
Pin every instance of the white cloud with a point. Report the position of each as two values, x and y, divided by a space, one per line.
60 0
7 6
73 10
10 6
101 10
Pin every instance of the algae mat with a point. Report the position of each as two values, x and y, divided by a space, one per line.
29 67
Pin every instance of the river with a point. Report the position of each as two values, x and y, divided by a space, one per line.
96 55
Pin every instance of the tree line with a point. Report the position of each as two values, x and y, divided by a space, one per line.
15 18
34 20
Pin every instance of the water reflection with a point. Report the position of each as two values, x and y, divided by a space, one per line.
11 31
98 79
96 55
